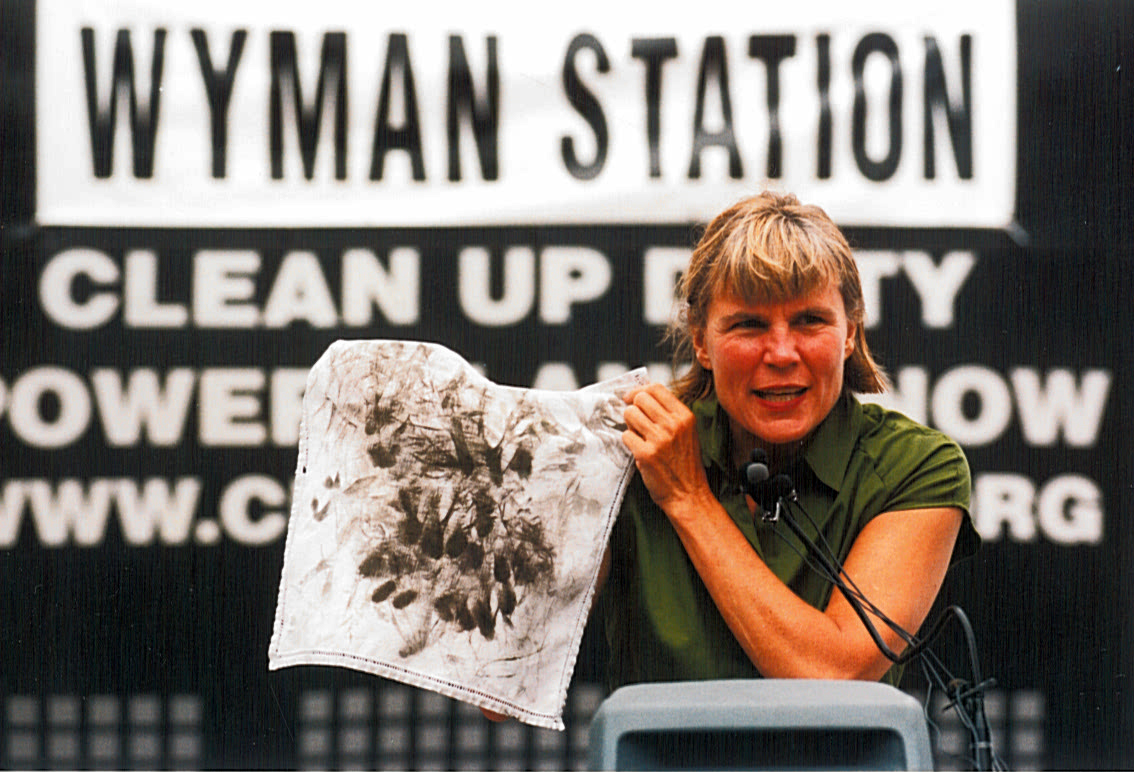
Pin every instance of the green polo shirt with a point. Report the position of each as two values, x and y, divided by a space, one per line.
863 460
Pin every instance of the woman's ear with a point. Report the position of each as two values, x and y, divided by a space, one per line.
849 344
701 351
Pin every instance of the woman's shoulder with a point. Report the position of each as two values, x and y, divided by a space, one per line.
899 446
918 466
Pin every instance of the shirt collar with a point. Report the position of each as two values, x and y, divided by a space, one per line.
828 452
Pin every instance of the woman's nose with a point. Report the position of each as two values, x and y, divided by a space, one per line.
781 348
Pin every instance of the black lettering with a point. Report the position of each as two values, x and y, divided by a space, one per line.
143 121
771 50
823 81
408 137
218 89
485 115
285 70
654 52
713 63
958 118
587 106
877 171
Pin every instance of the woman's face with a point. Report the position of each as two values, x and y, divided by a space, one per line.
777 366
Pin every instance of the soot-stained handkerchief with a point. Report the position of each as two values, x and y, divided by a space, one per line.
446 531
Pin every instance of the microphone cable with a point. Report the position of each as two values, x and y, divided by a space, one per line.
777 498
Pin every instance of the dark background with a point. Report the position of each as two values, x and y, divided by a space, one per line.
1050 619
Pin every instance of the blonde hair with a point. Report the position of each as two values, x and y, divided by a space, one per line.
769 247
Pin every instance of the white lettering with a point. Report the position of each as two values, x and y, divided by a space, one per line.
68 393
223 290
11 509
396 292
994 405
168 514
555 376
56 514
1045 408
1049 406
662 267
1000 499
161 410
222 280
300 292
57 289
72 512
873 267
236 505
474 286
1067 509
910 394
230 405
287 387
51 407
570 275
142 308
936 285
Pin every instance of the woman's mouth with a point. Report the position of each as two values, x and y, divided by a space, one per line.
780 394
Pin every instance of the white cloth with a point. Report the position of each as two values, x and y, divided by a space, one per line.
446 531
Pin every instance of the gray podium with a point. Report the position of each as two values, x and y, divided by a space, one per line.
760 724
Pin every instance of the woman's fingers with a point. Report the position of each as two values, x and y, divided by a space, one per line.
661 433
652 398
659 426
653 410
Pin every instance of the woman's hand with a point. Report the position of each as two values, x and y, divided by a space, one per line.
661 433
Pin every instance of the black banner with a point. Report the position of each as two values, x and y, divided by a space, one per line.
151 379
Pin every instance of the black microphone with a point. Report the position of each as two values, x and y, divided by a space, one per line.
765 490
755 471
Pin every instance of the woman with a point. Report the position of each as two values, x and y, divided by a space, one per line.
697 587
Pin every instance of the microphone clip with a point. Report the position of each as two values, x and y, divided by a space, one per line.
783 491
771 515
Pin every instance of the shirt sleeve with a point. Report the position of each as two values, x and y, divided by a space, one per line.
924 468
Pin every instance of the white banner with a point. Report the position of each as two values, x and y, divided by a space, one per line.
339 114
